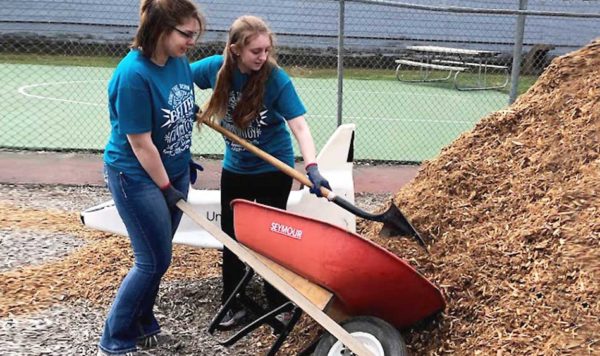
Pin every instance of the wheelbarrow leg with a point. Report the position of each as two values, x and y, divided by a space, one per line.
269 318
310 349
296 313
239 289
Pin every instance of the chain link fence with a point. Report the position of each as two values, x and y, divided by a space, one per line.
411 76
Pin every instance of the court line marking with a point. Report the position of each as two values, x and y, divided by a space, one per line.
23 91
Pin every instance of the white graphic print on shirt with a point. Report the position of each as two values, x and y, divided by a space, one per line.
179 120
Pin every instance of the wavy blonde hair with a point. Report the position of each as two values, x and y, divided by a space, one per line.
242 31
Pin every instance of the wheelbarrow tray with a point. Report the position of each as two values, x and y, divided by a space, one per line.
365 278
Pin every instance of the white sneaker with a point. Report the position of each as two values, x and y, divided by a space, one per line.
148 342
284 317
232 318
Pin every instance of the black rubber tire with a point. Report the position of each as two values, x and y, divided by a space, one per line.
388 336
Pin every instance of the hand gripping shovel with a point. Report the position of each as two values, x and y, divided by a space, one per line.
394 222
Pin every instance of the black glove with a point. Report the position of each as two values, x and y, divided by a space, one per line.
194 168
172 196
316 179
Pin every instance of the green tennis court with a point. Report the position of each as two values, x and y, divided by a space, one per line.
65 107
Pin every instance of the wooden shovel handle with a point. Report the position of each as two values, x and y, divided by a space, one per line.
302 178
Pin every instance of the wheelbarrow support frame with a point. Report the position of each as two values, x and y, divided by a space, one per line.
252 260
264 316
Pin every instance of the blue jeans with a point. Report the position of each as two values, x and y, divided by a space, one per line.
150 226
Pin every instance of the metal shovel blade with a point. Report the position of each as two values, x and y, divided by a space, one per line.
395 223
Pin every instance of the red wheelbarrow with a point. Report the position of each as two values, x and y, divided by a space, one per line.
359 292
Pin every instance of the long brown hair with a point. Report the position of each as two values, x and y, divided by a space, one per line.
158 17
242 31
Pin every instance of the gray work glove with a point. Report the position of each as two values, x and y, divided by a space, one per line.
316 179
172 196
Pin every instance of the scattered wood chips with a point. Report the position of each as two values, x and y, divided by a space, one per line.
92 272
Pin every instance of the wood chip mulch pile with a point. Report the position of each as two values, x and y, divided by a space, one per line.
512 210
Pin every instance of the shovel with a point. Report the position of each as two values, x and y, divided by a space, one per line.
394 222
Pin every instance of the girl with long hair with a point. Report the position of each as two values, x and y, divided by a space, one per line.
255 99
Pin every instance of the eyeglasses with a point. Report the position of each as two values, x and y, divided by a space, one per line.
188 34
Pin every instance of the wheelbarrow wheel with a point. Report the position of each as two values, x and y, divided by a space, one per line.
378 336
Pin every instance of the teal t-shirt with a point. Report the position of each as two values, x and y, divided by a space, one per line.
144 97
268 131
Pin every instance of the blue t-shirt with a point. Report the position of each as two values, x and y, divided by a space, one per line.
144 97
268 131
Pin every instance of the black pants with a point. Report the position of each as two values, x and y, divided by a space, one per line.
273 189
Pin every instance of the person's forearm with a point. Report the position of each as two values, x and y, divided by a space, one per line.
307 149
150 160
147 154
302 134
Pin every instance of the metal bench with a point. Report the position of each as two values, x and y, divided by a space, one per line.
483 65
455 61
425 70
482 72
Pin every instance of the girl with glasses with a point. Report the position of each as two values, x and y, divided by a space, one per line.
147 159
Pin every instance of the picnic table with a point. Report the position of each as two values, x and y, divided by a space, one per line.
454 61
